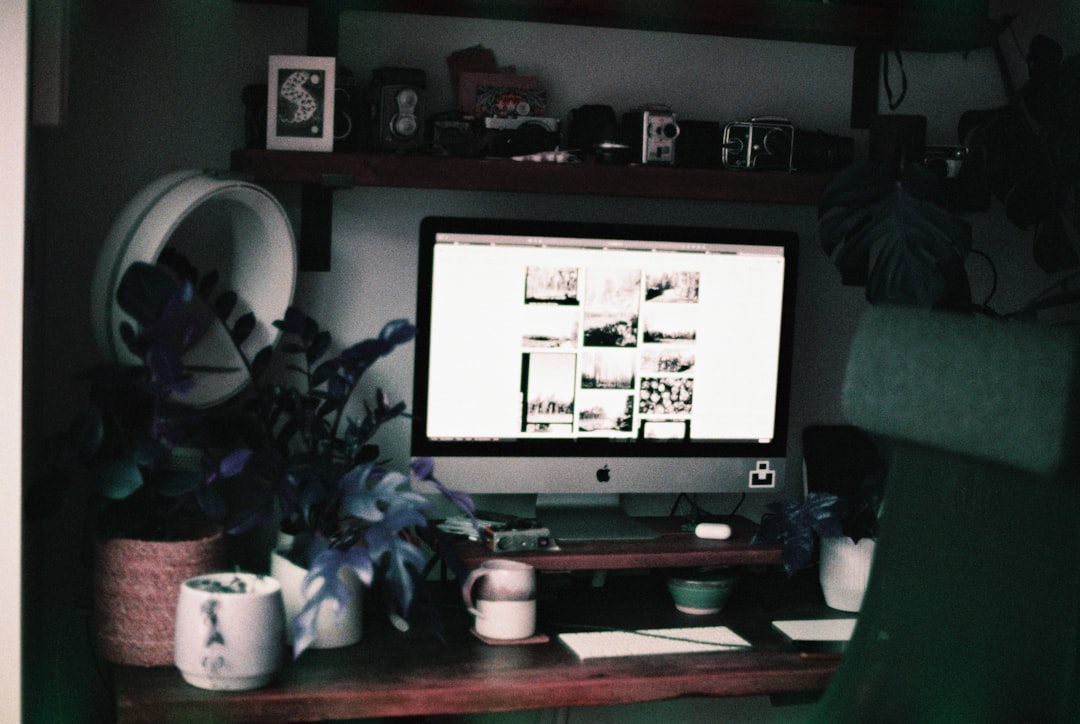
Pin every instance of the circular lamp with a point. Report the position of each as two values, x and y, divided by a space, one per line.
262 268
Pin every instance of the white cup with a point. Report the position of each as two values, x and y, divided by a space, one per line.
230 631
504 603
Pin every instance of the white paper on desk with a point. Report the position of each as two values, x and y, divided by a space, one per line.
649 642
817 629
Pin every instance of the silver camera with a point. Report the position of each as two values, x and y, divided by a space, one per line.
650 132
760 144
946 161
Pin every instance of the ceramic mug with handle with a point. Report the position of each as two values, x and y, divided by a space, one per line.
501 594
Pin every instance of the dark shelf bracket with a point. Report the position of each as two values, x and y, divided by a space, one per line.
317 200
316 227
865 85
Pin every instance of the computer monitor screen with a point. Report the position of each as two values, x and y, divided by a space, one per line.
584 358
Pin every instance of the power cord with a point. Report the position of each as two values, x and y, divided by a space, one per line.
699 514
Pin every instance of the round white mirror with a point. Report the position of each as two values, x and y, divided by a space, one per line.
256 257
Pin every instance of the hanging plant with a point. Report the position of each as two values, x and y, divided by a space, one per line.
893 235
1028 154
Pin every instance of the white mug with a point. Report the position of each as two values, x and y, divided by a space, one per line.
504 603
230 631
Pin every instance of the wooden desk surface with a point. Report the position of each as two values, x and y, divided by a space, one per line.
393 674
673 548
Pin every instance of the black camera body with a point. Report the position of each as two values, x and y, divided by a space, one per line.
650 132
946 161
397 97
761 144
774 144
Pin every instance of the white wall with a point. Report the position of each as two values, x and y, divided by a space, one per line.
700 77
14 26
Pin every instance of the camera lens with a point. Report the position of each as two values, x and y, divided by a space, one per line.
777 143
406 99
403 126
670 130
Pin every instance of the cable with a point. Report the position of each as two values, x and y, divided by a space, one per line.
698 512
894 104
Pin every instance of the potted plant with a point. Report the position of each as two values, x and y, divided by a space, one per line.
155 504
311 471
846 526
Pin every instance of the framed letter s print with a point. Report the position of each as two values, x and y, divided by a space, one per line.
300 103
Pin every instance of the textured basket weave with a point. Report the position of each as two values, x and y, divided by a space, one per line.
136 586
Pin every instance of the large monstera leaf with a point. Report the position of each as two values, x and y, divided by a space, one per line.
893 236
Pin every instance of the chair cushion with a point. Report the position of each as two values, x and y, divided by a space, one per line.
1003 391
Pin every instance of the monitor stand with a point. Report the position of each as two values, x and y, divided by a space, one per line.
583 516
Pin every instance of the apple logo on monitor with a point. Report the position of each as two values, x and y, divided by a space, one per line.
604 474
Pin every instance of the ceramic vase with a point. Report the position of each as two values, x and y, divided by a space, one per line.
331 629
136 584
845 571
230 631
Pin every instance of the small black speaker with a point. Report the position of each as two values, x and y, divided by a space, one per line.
897 140
699 144
841 458
398 96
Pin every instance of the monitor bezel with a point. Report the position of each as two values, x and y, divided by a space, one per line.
432 226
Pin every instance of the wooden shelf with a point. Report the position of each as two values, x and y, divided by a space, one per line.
345 170
673 549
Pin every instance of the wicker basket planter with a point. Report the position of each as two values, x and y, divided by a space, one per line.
136 587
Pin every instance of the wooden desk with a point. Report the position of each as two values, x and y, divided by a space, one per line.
417 673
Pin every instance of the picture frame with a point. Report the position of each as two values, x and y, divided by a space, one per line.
300 103
469 84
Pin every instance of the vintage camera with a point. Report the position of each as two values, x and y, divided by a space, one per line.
350 113
397 98
523 137
774 144
650 132
528 539
452 134
945 161
760 144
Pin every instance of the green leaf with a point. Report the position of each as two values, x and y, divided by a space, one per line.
211 503
116 478
893 236
224 304
262 361
319 346
404 559
243 328
88 431
174 483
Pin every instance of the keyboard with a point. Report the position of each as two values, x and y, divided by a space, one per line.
653 642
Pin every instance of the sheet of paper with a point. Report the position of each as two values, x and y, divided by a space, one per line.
650 642
817 629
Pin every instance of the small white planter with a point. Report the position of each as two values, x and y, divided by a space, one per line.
845 571
331 629
230 631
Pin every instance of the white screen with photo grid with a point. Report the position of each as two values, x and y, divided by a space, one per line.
625 339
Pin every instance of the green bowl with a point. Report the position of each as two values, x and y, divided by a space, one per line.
701 593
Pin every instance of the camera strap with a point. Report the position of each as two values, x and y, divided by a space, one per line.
894 104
